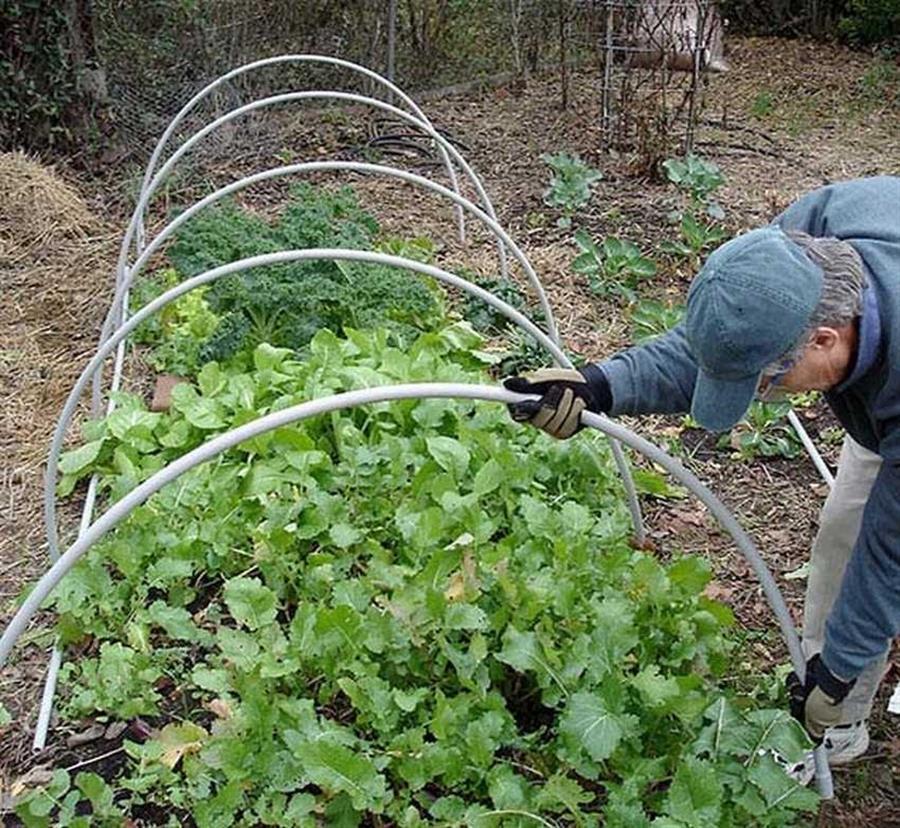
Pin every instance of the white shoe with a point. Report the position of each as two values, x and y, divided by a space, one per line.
843 744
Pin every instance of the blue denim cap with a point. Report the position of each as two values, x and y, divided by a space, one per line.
747 307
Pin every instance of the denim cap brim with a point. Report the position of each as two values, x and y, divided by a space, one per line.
748 306
719 404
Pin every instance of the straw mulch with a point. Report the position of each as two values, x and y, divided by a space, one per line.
57 265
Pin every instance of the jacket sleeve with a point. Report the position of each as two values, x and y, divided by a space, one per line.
654 377
866 614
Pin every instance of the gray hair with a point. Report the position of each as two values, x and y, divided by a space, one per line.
842 288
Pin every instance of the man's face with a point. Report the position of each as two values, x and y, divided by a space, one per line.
824 363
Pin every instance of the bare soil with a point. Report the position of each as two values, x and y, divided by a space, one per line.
789 116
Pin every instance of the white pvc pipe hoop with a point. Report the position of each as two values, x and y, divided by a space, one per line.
117 313
223 442
490 222
148 191
209 276
386 83
460 202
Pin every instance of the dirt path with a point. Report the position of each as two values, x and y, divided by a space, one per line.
788 117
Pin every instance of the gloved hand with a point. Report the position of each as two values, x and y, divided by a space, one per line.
816 703
564 392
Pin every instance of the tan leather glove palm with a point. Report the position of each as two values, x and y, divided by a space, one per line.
816 702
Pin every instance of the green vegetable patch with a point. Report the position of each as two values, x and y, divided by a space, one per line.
407 614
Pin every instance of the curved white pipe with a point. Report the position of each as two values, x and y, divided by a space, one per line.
223 442
236 267
272 61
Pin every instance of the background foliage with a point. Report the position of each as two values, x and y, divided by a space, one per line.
74 71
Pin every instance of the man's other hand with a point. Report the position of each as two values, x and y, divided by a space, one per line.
816 703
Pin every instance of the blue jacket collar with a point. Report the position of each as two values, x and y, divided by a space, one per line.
869 339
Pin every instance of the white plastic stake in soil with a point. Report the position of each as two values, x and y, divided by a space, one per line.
894 701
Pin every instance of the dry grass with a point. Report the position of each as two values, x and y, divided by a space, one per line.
56 266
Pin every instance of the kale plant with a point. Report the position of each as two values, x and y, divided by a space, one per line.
285 305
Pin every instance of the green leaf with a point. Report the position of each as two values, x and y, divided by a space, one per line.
464 617
409 701
559 793
5 716
250 602
202 412
94 787
336 768
344 536
727 733
489 478
691 574
655 689
451 455
588 722
238 647
176 621
695 796
77 460
778 789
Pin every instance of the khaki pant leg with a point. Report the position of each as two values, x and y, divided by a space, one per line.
838 529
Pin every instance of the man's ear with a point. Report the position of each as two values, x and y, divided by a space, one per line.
824 338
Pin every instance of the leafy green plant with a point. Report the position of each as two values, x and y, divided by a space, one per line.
419 611
89 802
698 179
881 82
650 318
177 333
570 184
763 104
613 267
696 237
484 318
286 304
871 21
764 432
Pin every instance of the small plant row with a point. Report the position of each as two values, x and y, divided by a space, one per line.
616 268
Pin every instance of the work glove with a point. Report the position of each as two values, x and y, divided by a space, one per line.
816 703
564 394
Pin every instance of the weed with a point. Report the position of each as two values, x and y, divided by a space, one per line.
763 104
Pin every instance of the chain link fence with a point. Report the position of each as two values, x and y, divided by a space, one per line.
155 55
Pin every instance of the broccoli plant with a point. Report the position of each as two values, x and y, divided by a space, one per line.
613 267
570 185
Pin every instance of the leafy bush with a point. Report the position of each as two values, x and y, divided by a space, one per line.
419 611
699 178
179 330
650 318
696 237
613 267
37 85
871 21
764 432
